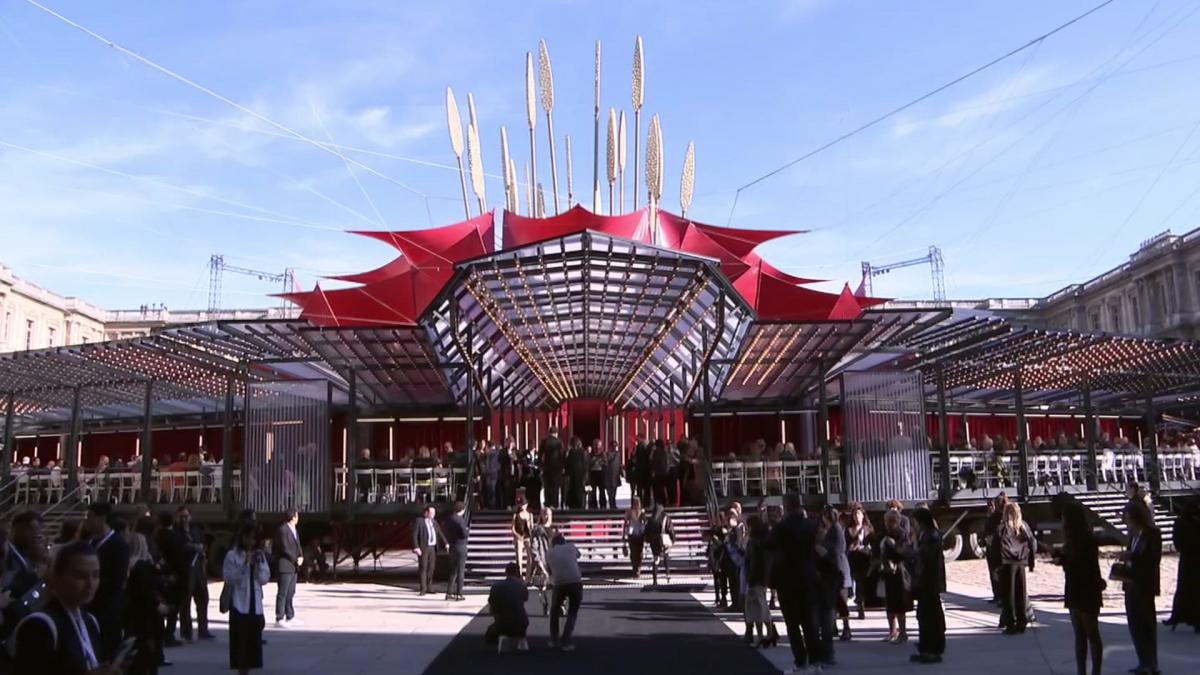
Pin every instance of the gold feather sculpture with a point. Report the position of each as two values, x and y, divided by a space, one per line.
638 98
475 154
612 158
531 118
687 182
622 147
546 74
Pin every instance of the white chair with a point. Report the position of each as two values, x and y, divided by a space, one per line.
812 477
755 478
719 478
364 482
1108 467
442 483
735 479
793 476
54 489
423 483
405 486
23 488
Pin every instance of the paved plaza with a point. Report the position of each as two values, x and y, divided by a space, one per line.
359 627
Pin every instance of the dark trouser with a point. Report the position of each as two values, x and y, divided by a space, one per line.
550 488
931 624
573 594
720 586
611 491
491 498
596 498
827 619
284 594
994 576
643 492
507 629
733 580
458 569
636 544
1140 613
425 564
800 618
198 593
178 598
1014 599
109 621
660 490
575 492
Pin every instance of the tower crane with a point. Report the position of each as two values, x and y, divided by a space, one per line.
217 267
937 270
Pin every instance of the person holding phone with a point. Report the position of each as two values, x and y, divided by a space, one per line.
246 571
63 638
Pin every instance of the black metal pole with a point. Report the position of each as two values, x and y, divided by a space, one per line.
71 454
1089 433
148 442
943 421
227 450
1152 472
822 431
706 392
10 414
352 444
1022 442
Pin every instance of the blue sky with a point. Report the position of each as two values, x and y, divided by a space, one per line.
1044 170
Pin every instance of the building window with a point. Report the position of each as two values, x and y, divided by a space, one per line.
28 333
8 325
51 335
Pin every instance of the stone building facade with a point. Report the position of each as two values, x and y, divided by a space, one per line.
32 317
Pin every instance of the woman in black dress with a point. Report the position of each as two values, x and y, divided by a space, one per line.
660 533
1080 559
895 551
144 607
1186 537
1017 550
859 536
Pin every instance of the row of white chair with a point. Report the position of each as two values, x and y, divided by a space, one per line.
755 479
400 485
125 487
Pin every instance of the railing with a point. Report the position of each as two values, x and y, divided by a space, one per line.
125 487
402 485
764 478
1057 469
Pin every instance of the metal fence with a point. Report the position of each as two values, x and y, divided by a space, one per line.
286 462
886 447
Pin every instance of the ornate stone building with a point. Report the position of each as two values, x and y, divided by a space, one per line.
32 317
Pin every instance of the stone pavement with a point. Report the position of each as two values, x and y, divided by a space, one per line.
361 627
345 628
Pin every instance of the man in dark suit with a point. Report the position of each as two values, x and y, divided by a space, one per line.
427 538
289 556
19 577
109 602
1141 584
550 455
577 471
794 573
455 530
639 470
195 575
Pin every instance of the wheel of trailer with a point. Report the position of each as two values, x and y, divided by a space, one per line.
976 546
952 546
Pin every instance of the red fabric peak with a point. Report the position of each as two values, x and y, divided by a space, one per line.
443 246
846 308
521 230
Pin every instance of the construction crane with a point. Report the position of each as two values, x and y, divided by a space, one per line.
933 258
217 267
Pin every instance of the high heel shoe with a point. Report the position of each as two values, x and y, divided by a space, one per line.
765 643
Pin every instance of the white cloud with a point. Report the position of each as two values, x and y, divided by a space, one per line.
1009 94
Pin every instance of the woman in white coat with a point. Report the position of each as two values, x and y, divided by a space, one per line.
246 572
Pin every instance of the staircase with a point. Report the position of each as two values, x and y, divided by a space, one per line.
597 535
1108 508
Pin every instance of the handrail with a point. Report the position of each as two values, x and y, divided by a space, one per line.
469 480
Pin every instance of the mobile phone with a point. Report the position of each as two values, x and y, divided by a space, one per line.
125 652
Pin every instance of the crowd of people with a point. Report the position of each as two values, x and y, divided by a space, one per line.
109 596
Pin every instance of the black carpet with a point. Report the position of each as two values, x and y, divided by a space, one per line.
624 632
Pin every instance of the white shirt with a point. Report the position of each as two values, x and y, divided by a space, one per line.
246 583
564 564
431 532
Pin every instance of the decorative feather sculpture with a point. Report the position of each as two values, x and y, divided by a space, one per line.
570 175
454 122
612 158
596 139
654 173
506 161
546 74
687 182
638 98
531 119
475 154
